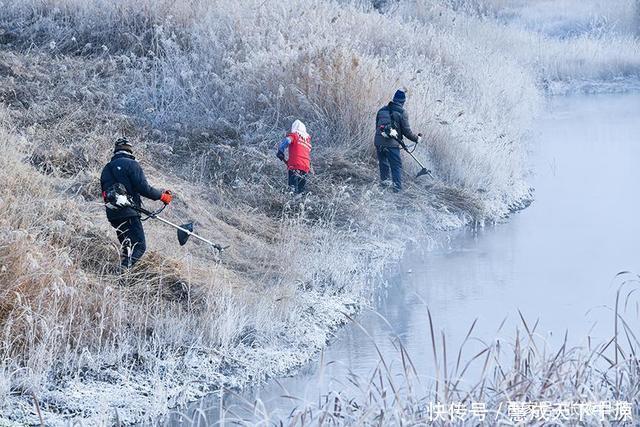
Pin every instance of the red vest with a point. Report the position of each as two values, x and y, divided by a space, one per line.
299 153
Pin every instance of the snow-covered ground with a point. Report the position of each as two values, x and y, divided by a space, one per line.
206 88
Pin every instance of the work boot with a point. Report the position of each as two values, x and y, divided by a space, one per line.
385 184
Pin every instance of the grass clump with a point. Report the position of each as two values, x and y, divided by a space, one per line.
205 89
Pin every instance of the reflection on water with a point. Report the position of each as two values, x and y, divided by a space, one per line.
555 261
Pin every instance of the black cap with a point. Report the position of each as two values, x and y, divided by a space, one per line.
400 97
123 144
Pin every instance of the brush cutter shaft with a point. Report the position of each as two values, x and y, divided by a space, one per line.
179 228
424 170
414 158
190 233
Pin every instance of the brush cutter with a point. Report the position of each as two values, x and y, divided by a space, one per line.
117 198
423 170
184 231
388 131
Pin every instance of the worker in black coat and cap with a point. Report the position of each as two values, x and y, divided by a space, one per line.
392 126
124 174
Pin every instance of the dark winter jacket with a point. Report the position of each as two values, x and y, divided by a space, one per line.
401 119
125 169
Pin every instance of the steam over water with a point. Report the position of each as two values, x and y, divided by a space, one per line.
554 261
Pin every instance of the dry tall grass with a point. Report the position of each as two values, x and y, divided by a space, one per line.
205 88
71 335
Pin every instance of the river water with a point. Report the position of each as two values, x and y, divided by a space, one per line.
554 261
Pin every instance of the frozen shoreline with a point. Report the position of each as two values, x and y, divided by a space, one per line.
181 380
134 396
186 379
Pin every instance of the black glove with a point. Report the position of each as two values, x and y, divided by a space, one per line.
280 155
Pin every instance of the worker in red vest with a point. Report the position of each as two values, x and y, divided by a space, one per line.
298 142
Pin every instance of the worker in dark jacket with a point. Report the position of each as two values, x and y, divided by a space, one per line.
392 125
124 170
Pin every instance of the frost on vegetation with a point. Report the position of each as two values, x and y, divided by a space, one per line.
566 42
206 89
519 367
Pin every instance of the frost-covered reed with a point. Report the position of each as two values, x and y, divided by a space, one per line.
479 381
206 88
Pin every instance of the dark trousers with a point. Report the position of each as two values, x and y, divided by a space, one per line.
131 237
390 161
297 181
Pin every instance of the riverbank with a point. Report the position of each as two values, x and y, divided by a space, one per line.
153 363
204 101
555 269
95 351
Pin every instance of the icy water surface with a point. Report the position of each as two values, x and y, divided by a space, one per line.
554 261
